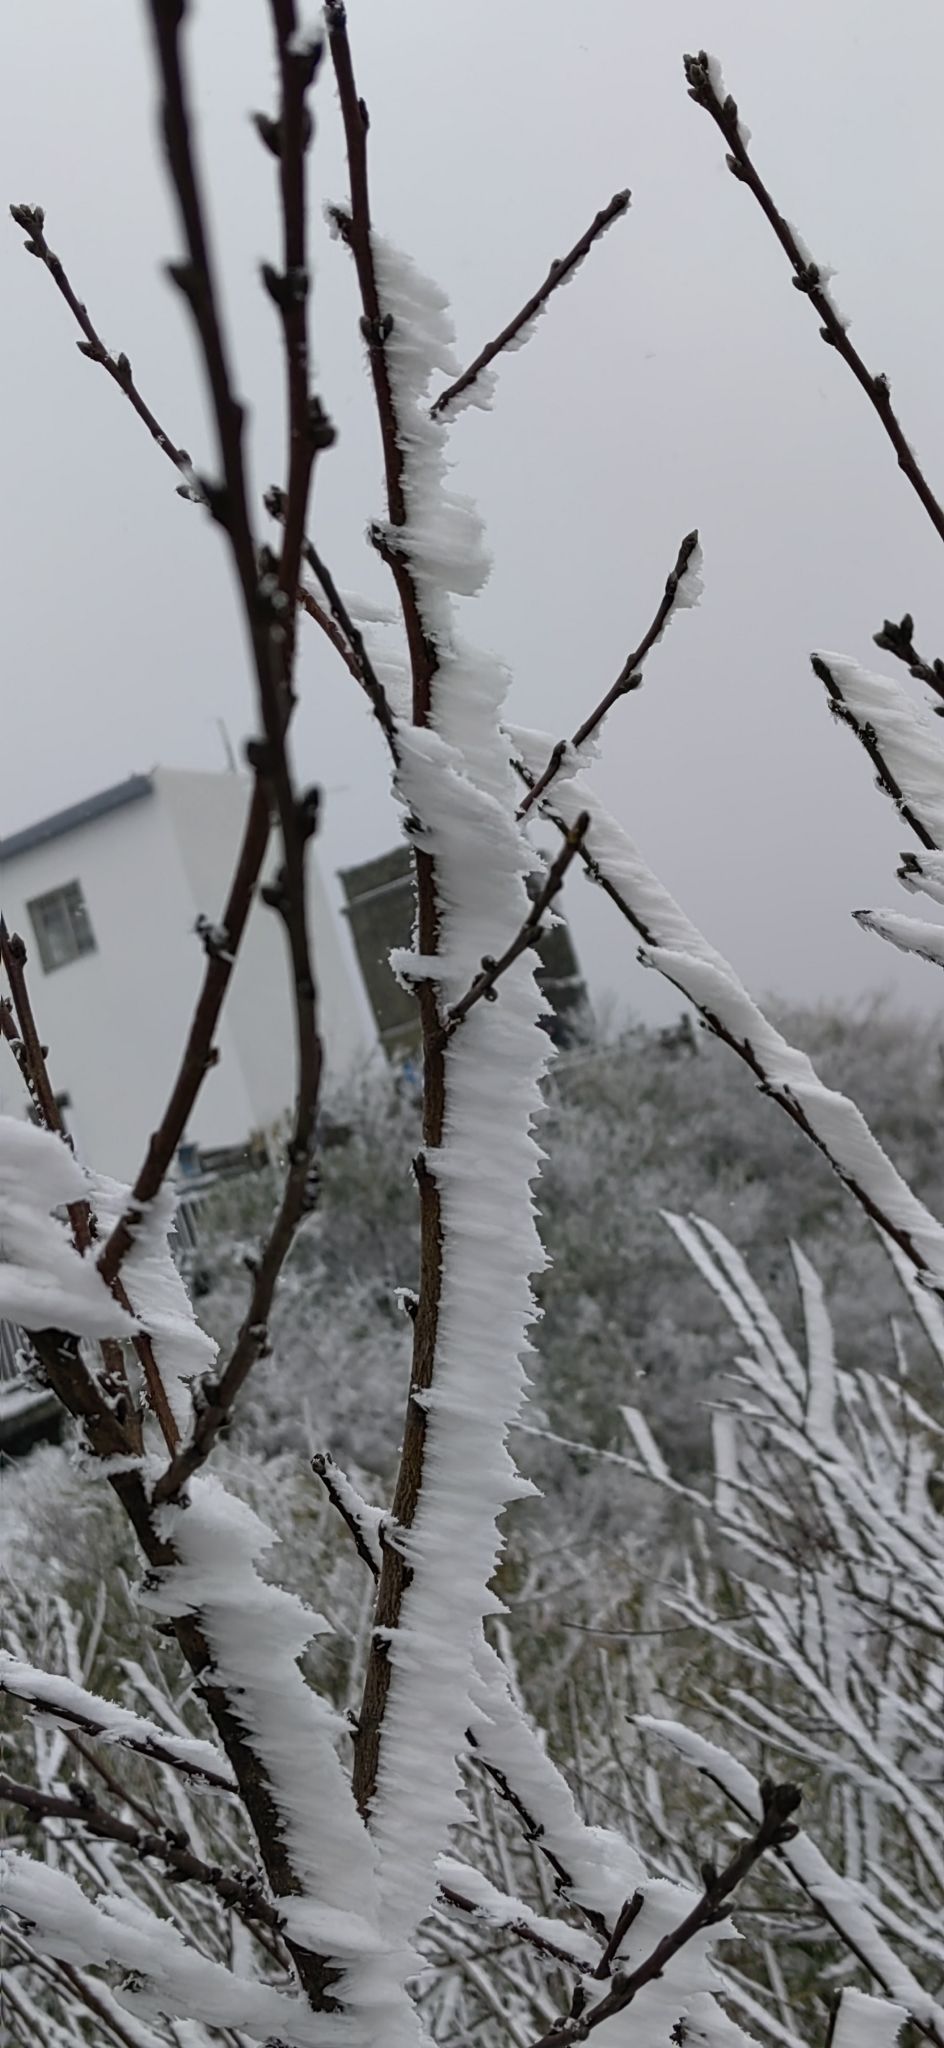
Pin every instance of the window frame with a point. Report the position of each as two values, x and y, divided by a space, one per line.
68 901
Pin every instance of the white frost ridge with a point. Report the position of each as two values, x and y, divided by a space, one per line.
44 1282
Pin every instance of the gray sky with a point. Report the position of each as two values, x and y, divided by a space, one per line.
679 381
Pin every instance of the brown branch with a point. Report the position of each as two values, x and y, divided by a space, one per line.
270 619
561 269
325 622
484 985
32 220
897 638
309 430
629 677
866 736
808 278
167 1847
266 618
376 328
774 1829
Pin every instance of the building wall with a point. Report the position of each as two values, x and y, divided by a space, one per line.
114 1020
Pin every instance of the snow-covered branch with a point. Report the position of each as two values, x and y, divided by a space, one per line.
677 949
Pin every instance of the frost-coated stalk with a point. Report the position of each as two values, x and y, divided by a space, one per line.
478 1162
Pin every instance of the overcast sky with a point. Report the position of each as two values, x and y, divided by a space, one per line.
679 381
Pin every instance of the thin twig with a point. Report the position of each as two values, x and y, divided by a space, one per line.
808 277
267 619
621 1926
897 638
484 985
345 635
157 1749
376 327
774 1829
356 230
32 220
629 677
240 1893
561 269
270 619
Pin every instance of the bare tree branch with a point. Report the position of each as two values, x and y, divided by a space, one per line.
561 269
775 1828
484 985
629 677
270 616
356 230
32 220
167 1848
808 277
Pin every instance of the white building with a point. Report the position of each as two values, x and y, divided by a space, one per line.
106 895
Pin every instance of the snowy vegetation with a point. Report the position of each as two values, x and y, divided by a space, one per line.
391 1751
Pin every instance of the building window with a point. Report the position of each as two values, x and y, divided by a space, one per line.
61 923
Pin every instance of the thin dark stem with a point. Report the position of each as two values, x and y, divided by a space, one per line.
269 619
376 327
629 677
163 1847
897 638
774 1829
326 624
228 502
621 1926
345 635
484 985
808 278
32 220
561 269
